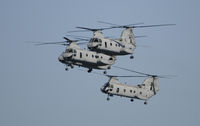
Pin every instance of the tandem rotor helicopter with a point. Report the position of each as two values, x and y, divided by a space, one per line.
144 91
74 55
125 45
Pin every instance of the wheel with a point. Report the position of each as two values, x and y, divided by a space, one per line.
145 102
131 57
108 98
72 66
90 70
66 69
132 100
105 72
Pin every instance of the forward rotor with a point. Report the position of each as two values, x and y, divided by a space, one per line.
85 29
64 43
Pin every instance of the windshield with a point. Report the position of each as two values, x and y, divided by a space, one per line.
95 40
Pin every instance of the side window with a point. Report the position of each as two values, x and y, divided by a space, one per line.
130 91
117 90
124 90
105 44
80 54
110 44
86 54
92 56
110 58
75 52
96 56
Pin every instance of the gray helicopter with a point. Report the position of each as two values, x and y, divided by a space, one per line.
76 56
125 45
143 91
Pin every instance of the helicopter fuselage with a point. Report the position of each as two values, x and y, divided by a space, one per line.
110 47
85 58
142 91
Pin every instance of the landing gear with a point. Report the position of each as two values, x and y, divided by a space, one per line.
131 57
132 100
108 98
72 66
145 102
90 70
105 72
66 69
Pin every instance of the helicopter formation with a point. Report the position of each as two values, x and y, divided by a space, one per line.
102 53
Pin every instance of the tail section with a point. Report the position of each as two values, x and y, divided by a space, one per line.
150 81
127 36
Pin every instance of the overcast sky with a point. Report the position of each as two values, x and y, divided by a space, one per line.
35 89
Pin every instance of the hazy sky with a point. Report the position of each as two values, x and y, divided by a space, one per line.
35 90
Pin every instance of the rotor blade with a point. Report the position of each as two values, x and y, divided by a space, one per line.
103 22
81 43
135 24
96 29
144 26
81 39
140 36
124 76
132 71
90 29
77 31
48 43
141 26
79 36
120 25
67 39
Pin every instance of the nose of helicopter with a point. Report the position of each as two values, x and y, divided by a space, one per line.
61 59
103 89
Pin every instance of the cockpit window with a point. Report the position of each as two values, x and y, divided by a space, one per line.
95 40
69 51
91 40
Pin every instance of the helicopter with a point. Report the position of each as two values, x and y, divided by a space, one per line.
125 45
143 91
76 56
